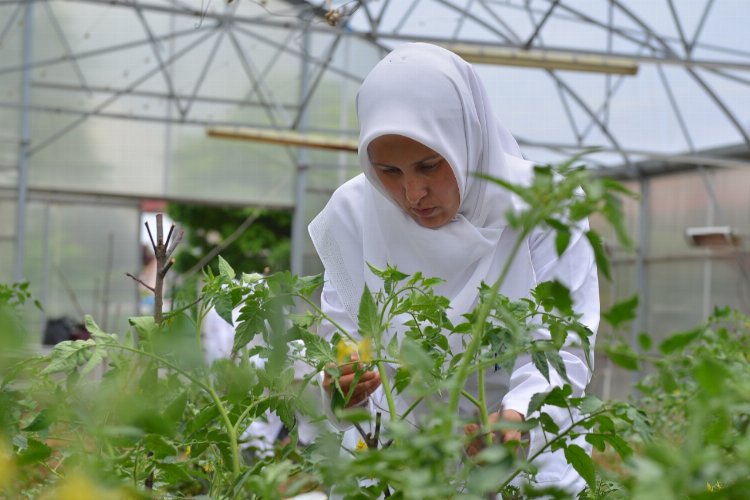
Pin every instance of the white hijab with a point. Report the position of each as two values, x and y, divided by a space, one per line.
432 96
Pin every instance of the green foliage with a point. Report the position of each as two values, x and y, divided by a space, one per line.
697 400
264 244
143 408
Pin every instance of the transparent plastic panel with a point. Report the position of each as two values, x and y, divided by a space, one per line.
99 155
219 169
675 296
76 259
7 239
676 203
630 209
732 189
8 163
730 281
7 217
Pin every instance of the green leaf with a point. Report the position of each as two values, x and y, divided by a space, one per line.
540 361
644 342
415 358
582 463
622 312
711 375
548 424
562 240
159 446
558 396
145 326
590 404
556 361
95 359
600 255
401 379
41 422
679 340
223 307
553 295
622 355
92 327
619 445
35 452
173 412
199 422
392 348
64 356
556 224
353 415
536 402
225 269
597 441
369 320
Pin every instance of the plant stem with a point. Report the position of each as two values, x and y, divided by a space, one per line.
413 405
478 328
483 414
549 443
230 431
325 316
215 397
471 398
387 389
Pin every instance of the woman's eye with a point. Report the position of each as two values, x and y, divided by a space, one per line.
428 167
390 171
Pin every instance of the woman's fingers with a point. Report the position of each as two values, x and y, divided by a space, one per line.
475 445
351 373
503 435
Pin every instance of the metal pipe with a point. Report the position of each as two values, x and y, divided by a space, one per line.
25 139
300 180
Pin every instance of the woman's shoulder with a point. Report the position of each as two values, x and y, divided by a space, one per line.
520 170
350 193
343 212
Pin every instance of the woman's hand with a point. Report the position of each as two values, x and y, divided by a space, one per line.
366 385
502 435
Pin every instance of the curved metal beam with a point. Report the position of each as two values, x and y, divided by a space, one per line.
722 106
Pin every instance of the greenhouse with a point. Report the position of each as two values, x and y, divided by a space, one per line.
238 120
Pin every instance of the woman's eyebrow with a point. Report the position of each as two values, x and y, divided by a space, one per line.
418 162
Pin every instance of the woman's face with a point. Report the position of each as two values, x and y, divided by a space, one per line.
417 178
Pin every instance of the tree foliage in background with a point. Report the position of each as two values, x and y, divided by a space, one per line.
266 243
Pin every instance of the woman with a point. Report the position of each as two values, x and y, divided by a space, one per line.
426 130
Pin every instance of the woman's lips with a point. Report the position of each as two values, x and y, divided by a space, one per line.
423 212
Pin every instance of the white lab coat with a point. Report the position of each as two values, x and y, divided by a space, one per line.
536 262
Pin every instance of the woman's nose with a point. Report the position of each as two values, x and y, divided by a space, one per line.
414 189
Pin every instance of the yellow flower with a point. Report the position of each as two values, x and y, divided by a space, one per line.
361 445
364 348
208 467
344 350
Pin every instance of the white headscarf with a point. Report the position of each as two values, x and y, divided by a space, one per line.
434 97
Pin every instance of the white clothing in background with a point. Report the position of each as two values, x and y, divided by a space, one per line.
261 434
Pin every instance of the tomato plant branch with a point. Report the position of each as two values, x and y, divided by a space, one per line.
477 329
325 316
549 443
